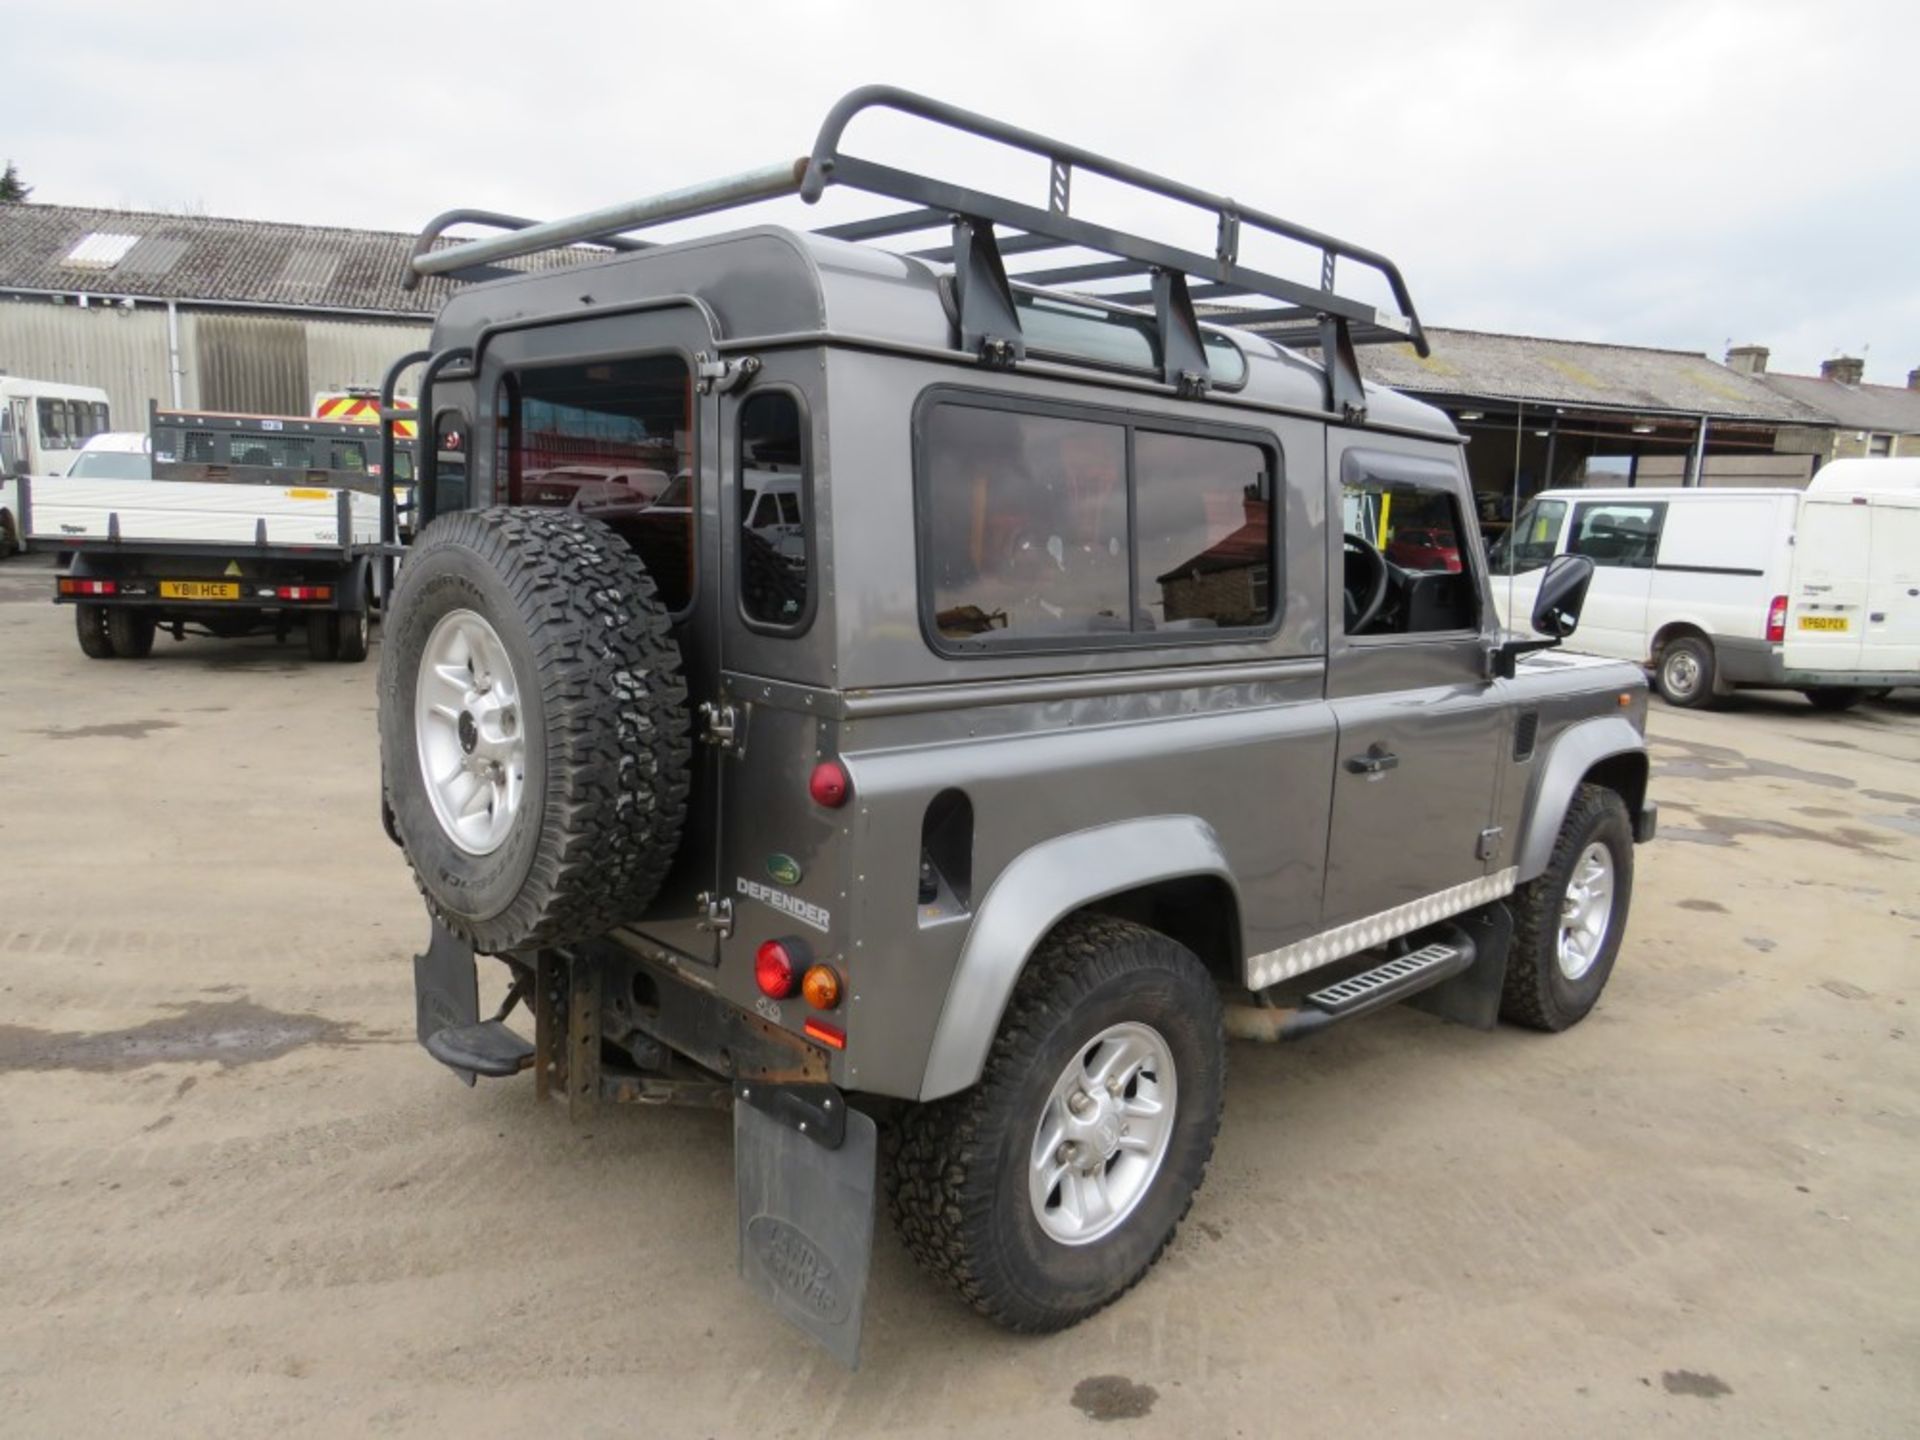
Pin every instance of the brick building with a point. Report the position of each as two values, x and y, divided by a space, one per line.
1863 420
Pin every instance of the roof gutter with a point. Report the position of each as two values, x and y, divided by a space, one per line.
415 317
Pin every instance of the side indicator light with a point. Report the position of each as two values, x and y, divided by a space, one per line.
826 1034
821 987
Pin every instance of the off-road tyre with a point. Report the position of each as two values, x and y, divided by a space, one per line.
90 624
957 1178
603 713
323 638
1835 698
9 536
131 634
1538 994
1680 657
352 635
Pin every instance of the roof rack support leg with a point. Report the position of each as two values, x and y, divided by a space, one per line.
989 326
1346 395
1183 355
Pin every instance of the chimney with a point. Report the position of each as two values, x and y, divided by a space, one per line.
1913 379
1844 371
1748 359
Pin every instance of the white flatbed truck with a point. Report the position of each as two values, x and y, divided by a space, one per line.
252 524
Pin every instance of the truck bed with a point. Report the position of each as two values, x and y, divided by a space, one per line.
64 511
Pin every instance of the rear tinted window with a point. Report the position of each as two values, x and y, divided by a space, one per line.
1043 529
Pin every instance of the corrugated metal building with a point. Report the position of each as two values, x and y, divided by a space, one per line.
204 313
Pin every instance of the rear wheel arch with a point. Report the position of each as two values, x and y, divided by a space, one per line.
1200 912
1164 866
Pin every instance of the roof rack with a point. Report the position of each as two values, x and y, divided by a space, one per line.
987 323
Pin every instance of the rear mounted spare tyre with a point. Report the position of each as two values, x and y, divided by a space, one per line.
533 726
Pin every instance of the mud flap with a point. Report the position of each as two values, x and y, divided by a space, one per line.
806 1210
446 989
1473 996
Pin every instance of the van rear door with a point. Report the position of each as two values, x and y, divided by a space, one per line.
1827 606
1891 642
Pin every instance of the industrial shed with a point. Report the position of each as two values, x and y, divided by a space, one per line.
1540 413
202 313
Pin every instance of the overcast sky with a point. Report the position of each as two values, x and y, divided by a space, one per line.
1678 174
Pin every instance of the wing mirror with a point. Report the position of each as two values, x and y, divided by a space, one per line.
1556 611
1562 594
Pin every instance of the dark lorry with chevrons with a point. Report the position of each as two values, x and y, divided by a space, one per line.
1001 693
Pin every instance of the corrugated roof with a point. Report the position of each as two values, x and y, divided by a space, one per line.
203 258
1887 408
1476 365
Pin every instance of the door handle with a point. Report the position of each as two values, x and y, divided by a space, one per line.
1376 761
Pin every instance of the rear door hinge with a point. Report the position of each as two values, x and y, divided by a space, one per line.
723 725
716 913
723 375
1489 846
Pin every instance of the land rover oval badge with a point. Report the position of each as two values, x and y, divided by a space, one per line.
783 870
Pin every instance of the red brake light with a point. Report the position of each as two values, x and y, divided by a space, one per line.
829 785
1777 620
775 970
305 592
88 587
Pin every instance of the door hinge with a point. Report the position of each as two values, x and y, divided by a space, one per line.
1489 846
716 913
723 725
723 375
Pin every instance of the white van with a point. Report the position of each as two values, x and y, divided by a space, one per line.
43 424
1718 589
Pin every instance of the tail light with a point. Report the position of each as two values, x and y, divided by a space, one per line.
304 592
828 785
88 587
1777 620
776 969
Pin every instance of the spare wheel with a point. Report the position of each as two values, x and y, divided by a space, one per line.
533 726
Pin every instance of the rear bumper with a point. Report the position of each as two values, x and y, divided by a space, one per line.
1759 664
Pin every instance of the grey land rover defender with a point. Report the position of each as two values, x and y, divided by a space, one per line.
960 699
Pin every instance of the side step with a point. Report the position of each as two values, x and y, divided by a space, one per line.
1387 983
488 1048
1394 979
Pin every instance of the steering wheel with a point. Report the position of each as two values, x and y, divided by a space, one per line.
1364 593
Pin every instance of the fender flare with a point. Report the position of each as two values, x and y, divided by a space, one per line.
1033 894
1577 750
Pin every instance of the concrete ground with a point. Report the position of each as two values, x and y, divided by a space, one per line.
236 1199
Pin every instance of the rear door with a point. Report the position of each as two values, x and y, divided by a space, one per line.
1827 610
1892 639
1421 724
619 392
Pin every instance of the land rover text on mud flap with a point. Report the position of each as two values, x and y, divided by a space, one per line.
1068 710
